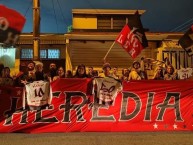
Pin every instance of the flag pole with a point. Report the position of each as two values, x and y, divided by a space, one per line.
109 51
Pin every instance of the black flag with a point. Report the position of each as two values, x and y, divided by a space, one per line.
186 41
135 22
11 25
132 37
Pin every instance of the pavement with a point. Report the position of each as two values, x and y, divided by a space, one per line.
98 138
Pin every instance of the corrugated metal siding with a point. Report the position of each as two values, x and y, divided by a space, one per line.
91 53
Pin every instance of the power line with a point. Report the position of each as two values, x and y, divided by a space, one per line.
185 23
30 4
92 6
186 27
55 16
65 22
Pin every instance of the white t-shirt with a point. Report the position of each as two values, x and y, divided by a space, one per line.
106 89
38 93
184 73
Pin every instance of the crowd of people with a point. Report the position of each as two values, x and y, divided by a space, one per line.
35 72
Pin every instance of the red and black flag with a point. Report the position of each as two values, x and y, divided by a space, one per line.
132 37
186 41
11 25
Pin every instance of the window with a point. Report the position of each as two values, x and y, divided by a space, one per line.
7 56
53 53
26 53
119 22
44 53
104 22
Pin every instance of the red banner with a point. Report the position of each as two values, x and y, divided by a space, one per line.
132 37
140 106
10 100
129 41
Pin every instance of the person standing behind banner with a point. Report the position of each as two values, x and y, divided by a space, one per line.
114 73
105 90
22 75
39 73
135 71
170 73
60 73
52 71
158 74
1 68
191 77
184 73
37 95
125 74
95 73
68 74
6 78
142 72
30 72
106 70
80 72
90 72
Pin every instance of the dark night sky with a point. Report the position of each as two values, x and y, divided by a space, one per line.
56 15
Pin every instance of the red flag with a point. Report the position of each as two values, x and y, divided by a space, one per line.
11 25
186 41
132 37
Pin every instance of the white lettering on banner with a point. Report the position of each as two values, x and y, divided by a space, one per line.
120 40
4 24
132 40
132 52
126 44
135 42
136 35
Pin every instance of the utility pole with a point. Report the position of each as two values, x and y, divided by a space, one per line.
36 30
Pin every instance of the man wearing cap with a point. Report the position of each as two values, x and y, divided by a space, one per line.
134 74
106 70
